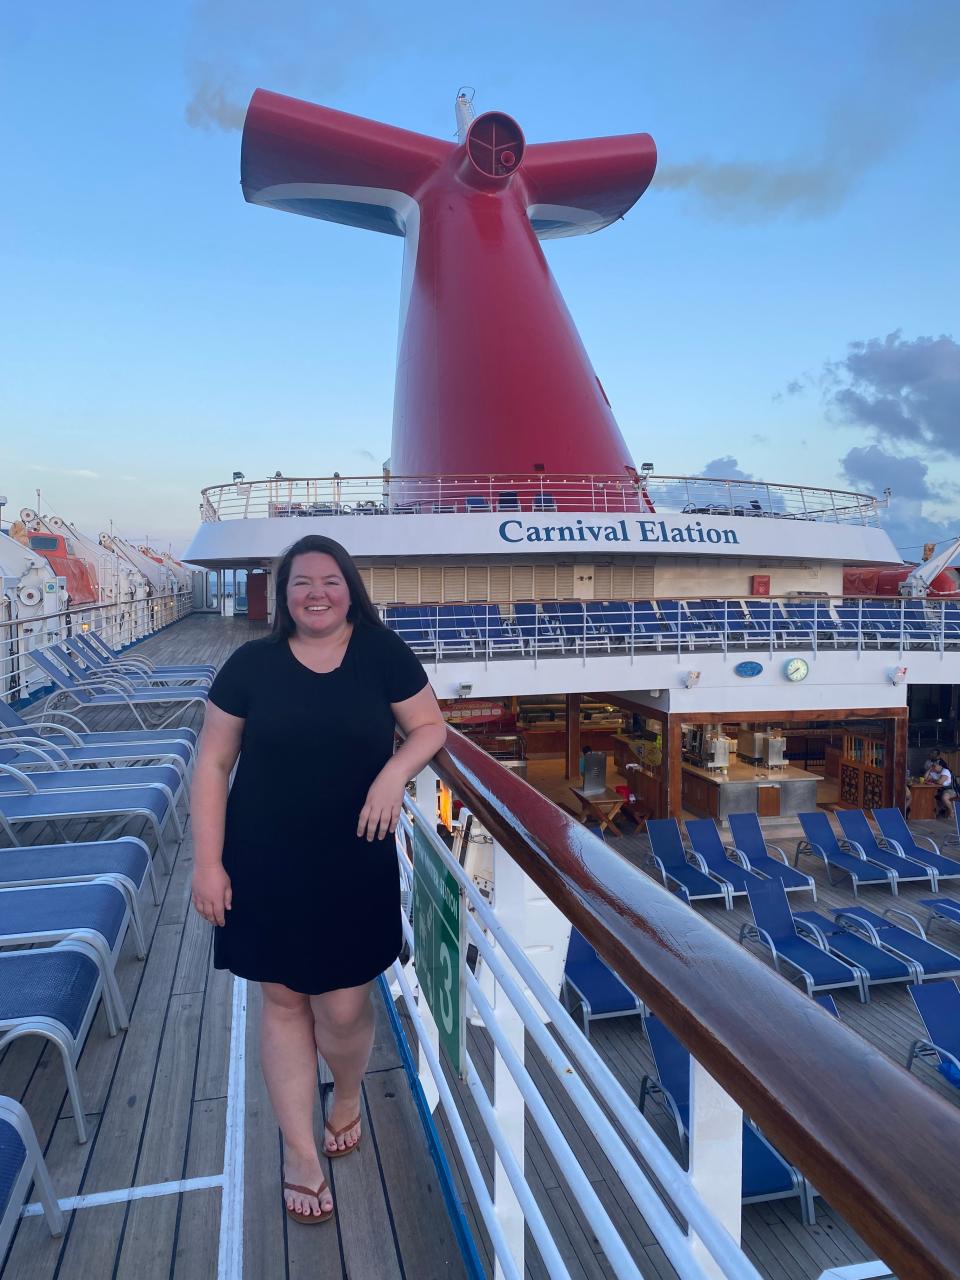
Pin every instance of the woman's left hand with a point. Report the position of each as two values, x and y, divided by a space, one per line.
381 812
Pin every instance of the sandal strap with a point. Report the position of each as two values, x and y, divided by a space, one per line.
345 1129
306 1191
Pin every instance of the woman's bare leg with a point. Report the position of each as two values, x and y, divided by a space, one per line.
288 1056
343 1025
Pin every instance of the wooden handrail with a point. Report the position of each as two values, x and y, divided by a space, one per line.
877 1143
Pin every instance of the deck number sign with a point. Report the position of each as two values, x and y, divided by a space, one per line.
439 924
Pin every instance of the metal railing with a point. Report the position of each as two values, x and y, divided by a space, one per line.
288 497
547 629
876 1143
120 624
514 1006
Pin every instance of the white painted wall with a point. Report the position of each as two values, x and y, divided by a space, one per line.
836 680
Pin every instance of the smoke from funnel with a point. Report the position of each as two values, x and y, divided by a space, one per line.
916 50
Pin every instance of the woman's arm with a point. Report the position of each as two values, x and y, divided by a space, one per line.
425 732
216 756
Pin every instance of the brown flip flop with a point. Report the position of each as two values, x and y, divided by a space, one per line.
335 1134
308 1218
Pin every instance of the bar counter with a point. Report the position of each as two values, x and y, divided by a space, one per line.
746 788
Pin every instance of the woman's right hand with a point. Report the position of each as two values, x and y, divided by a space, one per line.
211 892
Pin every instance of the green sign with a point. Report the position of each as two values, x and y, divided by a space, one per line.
439 925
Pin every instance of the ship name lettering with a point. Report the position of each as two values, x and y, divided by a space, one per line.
649 531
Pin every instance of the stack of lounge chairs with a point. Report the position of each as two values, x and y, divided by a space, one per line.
81 815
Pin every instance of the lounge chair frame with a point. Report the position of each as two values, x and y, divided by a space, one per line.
59 1035
33 1170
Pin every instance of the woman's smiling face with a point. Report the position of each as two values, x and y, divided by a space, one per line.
317 594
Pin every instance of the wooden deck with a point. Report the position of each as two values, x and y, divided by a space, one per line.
157 1110
156 1106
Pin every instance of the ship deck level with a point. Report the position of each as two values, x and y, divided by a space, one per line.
158 1107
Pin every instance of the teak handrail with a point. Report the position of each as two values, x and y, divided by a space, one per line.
876 1142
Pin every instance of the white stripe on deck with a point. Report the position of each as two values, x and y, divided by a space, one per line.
230 1257
123 1194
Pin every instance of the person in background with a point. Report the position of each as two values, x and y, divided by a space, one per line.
942 778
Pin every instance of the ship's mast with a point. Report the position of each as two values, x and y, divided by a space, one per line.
465 112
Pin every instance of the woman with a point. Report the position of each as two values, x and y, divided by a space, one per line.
297 868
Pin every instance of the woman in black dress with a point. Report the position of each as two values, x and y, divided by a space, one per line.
297 866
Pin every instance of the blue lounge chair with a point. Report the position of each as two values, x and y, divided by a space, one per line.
670 859
62 744
492 632
113 809
52 992
938 1004
774 929
755 854
878 849
456 630
573 623
942 910
59 777
415 625
539 633
544 502
22 1163
593 986
80 662
893 826
829 1004
125 862
83 672
508 500
96 642
473 502
112 692
930 960
878 965
770 625
840 855
765 1173
97 913
709 848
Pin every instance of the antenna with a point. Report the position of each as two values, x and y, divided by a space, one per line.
465 113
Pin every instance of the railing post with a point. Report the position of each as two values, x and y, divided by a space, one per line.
716 1157
426 788
509 894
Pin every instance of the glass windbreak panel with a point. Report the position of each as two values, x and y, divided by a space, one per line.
240 590
213 589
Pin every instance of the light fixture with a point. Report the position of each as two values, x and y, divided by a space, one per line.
898 675
84 626
692 679
464 689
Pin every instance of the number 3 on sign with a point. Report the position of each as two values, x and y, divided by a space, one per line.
446 989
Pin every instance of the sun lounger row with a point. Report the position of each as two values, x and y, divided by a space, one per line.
710 869
572 626
890 855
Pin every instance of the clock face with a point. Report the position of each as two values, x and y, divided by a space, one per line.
797 669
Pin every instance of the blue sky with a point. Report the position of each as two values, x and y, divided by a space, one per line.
157 333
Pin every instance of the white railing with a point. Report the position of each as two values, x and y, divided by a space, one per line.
546 629
288 497
120 624
518 1006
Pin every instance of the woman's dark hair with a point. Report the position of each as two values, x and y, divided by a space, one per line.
362 609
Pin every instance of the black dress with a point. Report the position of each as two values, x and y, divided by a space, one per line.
314 907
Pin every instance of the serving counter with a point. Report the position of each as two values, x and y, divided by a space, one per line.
745 788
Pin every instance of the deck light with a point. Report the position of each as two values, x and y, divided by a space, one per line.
692 679
464 689
898 675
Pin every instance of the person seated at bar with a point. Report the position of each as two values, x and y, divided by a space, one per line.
942 779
